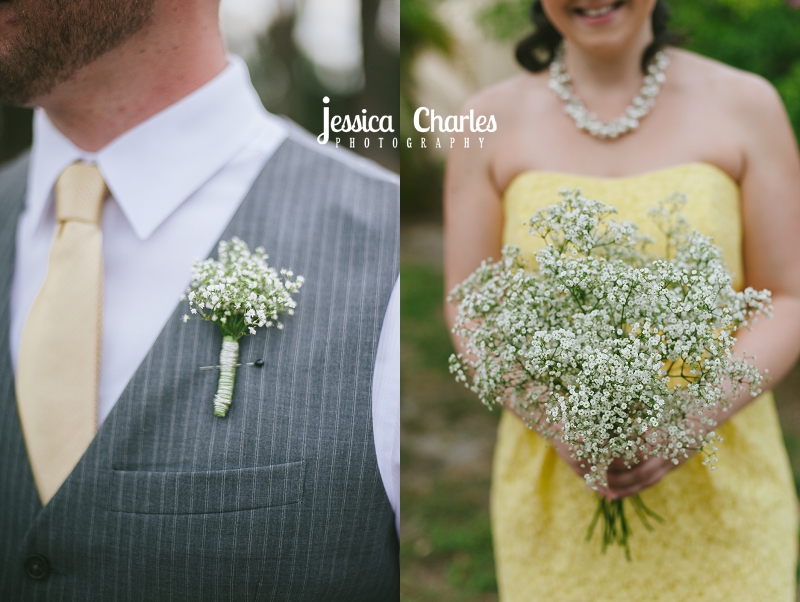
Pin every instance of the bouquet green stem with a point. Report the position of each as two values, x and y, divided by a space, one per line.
228 358
616 529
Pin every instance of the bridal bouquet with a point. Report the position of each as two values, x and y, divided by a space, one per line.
606 346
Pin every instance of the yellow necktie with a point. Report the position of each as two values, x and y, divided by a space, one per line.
59 357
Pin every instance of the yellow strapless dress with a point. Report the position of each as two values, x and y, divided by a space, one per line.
729 535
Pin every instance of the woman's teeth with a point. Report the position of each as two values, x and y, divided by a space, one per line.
598 12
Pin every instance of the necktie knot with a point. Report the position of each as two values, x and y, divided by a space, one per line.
80 192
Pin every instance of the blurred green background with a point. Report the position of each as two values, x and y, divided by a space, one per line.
447 435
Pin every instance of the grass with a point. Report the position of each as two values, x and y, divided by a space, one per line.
446 446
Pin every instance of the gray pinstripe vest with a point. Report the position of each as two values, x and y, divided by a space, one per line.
281 500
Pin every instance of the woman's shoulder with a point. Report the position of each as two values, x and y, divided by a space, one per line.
508 96
740 111
711 81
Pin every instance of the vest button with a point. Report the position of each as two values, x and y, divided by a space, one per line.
37 567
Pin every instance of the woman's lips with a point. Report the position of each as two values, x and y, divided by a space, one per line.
599 14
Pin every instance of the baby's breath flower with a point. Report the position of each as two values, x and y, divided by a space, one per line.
239 289
606 345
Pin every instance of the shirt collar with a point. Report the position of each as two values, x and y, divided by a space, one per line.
154 167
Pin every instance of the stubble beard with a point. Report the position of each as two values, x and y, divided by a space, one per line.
55 38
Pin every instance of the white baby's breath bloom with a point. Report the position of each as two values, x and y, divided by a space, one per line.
240 291
605 345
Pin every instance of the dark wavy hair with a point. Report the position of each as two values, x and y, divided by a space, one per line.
536 52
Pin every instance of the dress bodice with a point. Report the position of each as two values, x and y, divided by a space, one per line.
713 204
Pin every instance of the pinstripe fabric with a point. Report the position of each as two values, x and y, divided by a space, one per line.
19 501
281 500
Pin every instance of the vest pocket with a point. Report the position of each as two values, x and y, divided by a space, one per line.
205 492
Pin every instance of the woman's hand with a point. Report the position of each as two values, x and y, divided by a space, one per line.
580 468
624 482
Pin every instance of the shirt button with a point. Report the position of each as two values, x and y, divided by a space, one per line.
37 567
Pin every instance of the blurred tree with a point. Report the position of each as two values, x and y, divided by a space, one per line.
747 6
381 93
420 30
506 20
789 88
287 82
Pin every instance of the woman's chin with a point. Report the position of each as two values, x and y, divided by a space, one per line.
607 45
605 30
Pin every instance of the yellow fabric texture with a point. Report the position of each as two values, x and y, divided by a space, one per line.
729 535
59 358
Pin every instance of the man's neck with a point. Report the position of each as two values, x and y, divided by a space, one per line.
178 52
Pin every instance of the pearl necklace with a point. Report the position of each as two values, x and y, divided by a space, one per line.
588 122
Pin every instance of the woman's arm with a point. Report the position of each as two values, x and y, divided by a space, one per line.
473 224
771 218
770 187
473 217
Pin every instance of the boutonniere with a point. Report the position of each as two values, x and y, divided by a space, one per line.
239 292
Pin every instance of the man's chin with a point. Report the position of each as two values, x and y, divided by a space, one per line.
17 91
25 82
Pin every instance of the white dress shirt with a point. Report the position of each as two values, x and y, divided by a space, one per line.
176 180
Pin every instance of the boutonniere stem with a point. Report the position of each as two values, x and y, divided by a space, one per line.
228 358
240 292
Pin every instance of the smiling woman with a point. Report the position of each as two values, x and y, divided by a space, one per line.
611 106
537 51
